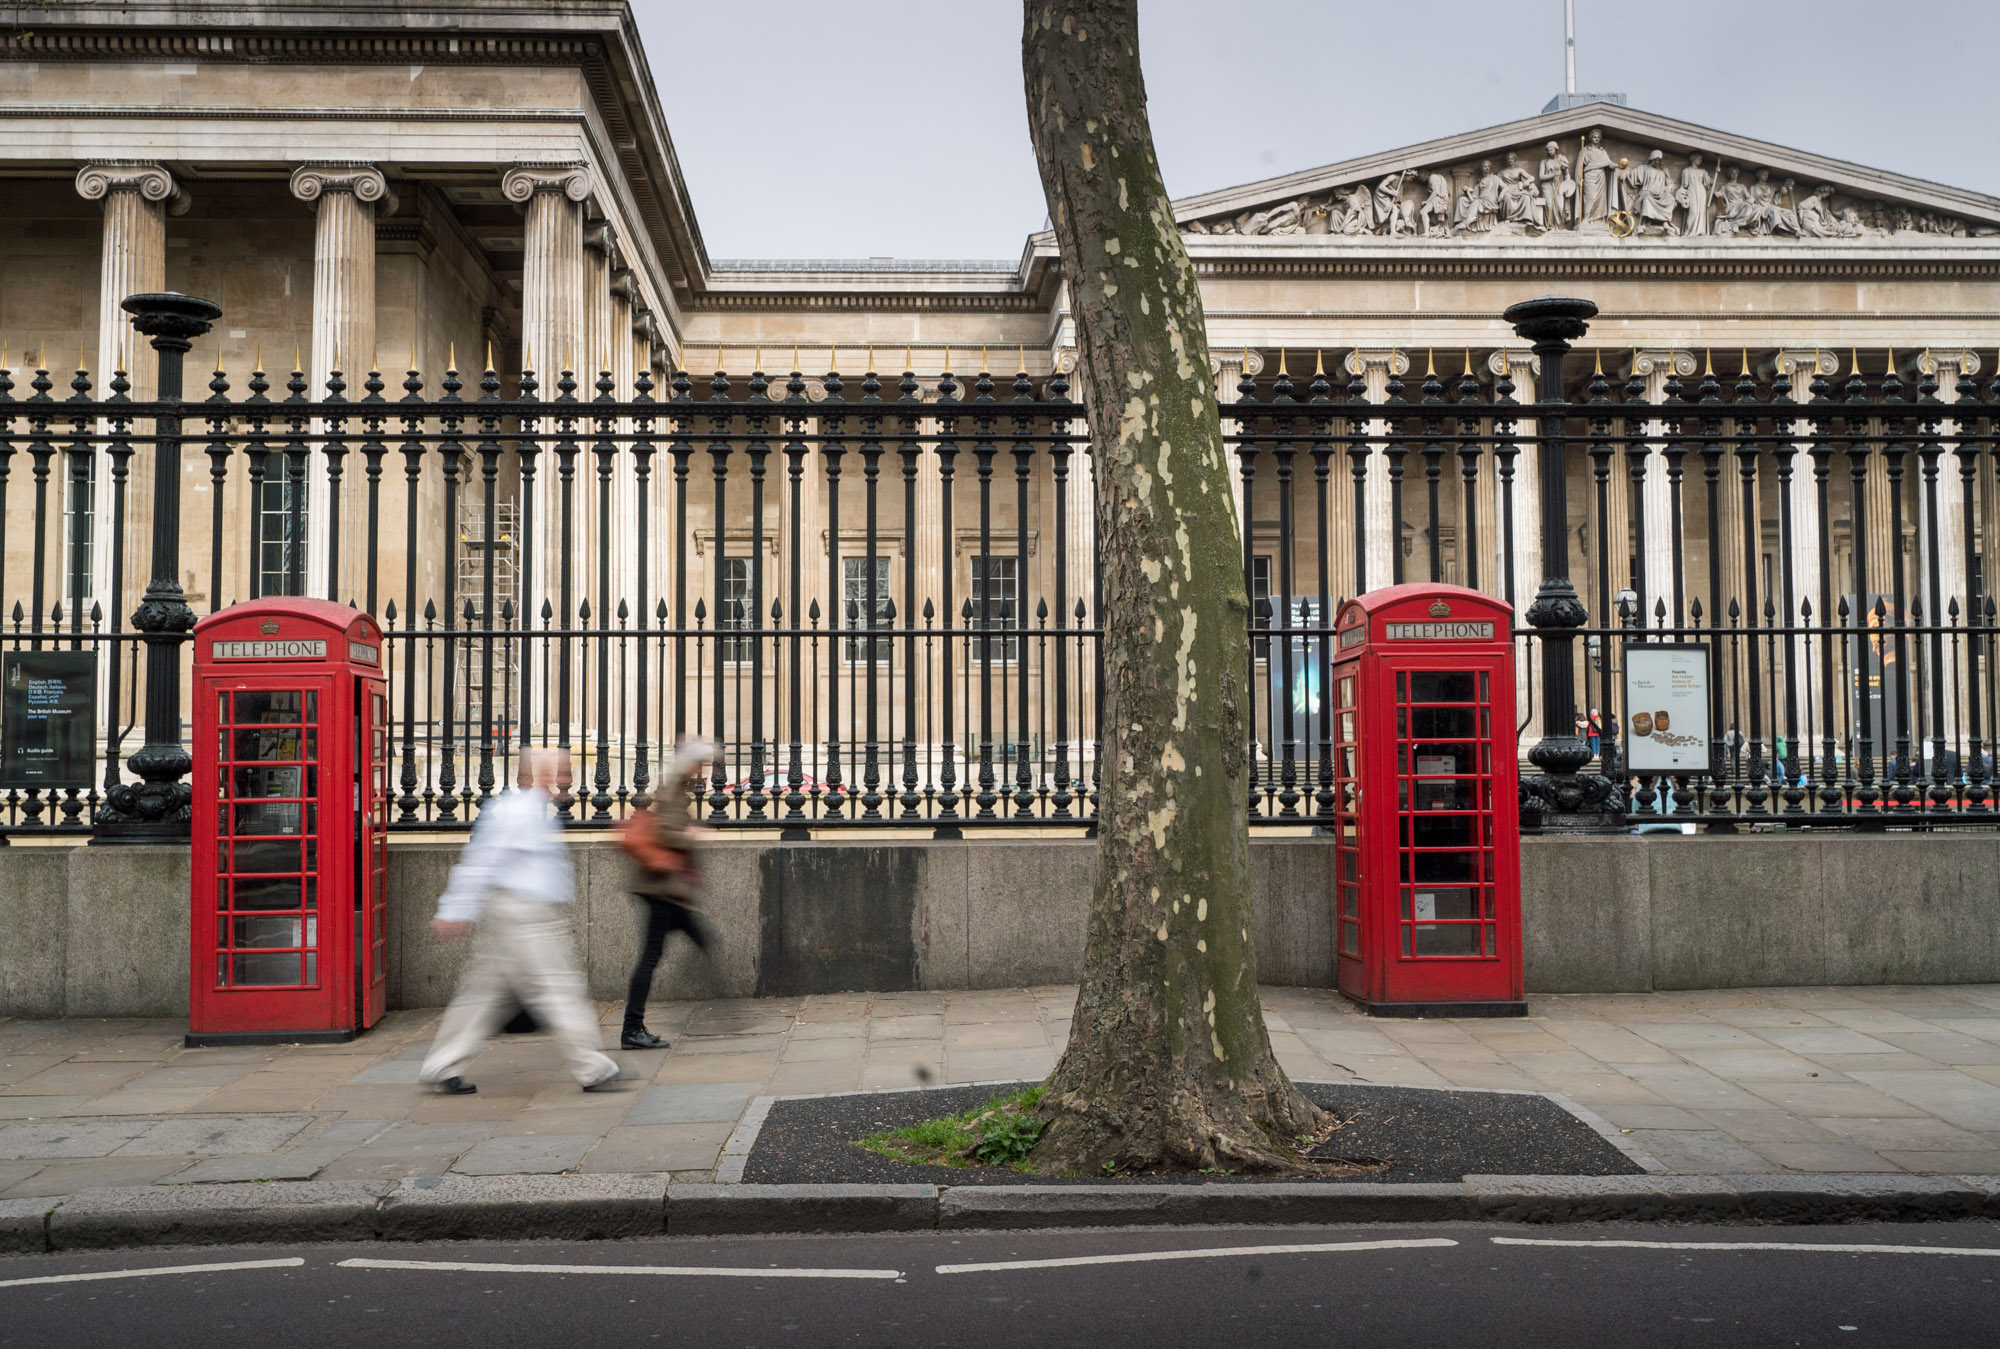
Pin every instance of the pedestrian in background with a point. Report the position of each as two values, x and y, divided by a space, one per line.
666 880
514 882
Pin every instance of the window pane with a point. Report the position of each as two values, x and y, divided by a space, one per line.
266 969
996 607
858 611
1455 686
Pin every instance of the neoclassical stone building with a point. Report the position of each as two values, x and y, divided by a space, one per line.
457 184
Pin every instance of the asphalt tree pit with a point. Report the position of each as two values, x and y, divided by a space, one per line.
1396 1135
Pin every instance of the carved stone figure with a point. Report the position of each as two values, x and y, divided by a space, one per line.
1650 198
1284 218
1815 214
1388 207
1735 213
1435 213
1520 195
1767 214
1353 213
1594 170
1558 188
1696 190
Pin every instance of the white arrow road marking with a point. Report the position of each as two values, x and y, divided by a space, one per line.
1141 1257
1823 1248
290 1263
717 1271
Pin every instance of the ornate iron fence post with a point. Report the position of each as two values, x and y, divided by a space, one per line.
1563 798
158 805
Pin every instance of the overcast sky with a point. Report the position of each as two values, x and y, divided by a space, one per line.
808 132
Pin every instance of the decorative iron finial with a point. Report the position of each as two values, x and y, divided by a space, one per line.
906 357
450 359
1319 362
1707 362
1430 362
1021 358
758 363
982 359
795 355
489 354
1281 361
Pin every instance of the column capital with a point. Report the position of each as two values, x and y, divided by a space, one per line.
364 182
1953 361
624 285
524 181
1663 361
1796 361
601 237
1389 360
1237 361
1512 361
151 181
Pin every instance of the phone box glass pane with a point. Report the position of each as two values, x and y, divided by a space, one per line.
269 706
269 968
276 855
1442 686
270 892
263 932
1455 939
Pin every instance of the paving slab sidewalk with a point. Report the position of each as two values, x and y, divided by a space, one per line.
1738 1082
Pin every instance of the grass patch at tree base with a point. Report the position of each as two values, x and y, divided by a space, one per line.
1000 1131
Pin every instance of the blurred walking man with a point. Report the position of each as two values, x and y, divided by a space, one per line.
514 880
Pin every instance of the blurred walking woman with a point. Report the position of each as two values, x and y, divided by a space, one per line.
666 881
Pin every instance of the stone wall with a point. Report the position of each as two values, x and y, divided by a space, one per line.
102 931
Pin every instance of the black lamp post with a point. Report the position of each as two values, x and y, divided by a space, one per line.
158 805
1562 798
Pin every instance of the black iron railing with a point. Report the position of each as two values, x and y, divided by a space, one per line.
879 595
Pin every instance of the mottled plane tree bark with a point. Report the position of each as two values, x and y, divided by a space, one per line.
1168 1065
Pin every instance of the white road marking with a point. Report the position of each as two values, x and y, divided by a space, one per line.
292 1262
1142 1257
1828 1248
717 1271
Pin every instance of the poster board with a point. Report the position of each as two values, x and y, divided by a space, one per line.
48 706
1666 708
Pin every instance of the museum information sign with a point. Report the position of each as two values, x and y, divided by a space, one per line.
1666 708
47 702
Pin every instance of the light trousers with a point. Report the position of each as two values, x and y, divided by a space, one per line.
522 948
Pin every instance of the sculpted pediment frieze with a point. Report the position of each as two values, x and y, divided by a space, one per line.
1603 181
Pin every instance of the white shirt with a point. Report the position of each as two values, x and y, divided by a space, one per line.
516 846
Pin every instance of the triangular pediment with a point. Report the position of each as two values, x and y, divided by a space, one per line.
1593 171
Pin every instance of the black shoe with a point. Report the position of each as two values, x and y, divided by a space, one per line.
456 1086
640 1038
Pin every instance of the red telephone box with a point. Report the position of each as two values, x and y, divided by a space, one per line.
291 803
1427 848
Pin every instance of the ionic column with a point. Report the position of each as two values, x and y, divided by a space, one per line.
1947 366
1802 499
1384 532
1229 369
1526 556
552 197
343 199
138 198
1656 366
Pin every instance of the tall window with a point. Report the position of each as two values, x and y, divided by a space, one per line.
277 547
1260 590
735 610
996 581
856 610
79 536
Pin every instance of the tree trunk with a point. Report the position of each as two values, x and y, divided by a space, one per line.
1168 1065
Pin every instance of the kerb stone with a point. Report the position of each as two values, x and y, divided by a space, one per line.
506 1208
172 1215
1030 1206
1570 1199
24 1225
715 1210
1857 1198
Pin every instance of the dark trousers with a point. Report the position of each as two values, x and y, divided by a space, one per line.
662 916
